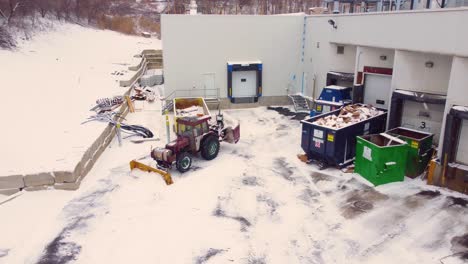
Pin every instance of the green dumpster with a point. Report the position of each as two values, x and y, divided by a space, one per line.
381 158
419 149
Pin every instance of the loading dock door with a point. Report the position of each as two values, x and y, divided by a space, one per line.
377 90
244 84
462 149
423 117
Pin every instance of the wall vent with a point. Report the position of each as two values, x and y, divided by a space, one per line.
340 49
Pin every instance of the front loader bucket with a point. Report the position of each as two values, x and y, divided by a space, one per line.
231 135
166 175
236 133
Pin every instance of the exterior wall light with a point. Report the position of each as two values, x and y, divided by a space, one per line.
383 57
429 64
332 23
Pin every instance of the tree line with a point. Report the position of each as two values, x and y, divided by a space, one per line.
127 16
250 7
93 9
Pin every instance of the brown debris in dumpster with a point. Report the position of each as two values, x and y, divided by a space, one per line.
349 115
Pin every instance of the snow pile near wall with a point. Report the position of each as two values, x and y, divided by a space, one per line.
48 86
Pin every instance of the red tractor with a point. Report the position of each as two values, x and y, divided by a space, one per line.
194 135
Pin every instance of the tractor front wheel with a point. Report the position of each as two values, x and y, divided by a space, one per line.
210 147
183 162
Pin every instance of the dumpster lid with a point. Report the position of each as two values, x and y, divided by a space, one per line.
392 138
383 140
340 103
336 87
410 133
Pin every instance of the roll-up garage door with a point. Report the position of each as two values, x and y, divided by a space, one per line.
244 83
377 90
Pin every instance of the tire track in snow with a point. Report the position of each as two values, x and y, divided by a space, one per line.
78 213
4 252
212 252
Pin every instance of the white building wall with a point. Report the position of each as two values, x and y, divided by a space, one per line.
411 73
457 88
321 56
194 45
432 31
369 56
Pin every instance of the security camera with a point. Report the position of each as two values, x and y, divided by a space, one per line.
332 23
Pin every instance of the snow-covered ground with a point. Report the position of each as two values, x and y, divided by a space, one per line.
255 203
48 86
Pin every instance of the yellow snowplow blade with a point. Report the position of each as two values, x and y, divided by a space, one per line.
166 175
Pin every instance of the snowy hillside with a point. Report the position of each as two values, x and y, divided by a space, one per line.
48 87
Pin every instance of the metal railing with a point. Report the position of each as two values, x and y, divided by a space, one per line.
166 101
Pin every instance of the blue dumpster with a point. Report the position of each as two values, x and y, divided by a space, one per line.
337 147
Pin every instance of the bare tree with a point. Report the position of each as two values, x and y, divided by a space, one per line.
9 8
43 6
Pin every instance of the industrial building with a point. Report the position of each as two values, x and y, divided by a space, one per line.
413 63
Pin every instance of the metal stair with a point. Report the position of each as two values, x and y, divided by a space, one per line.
299 102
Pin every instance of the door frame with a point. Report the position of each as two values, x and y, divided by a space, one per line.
214 83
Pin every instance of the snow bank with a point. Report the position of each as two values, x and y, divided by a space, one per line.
48 87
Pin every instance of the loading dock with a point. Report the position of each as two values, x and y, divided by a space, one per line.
244 81
417 110
452 169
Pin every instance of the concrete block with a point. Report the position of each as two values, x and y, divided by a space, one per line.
78 171
64 176
93 148
109 138
69 186
99 152
9 191
11 182
89 165
37 188
39 179
88 154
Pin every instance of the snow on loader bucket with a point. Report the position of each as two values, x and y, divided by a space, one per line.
138 165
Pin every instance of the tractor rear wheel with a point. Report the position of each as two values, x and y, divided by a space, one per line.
210 147
183 162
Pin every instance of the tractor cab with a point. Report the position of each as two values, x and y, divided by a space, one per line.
190 132
193 126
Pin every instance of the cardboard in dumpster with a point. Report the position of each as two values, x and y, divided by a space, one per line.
350 114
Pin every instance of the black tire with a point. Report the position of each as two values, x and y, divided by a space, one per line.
183 162
210 147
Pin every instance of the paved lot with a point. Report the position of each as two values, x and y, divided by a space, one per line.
255 203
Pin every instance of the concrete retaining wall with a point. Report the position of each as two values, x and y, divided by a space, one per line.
150 59
69 180
65 180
